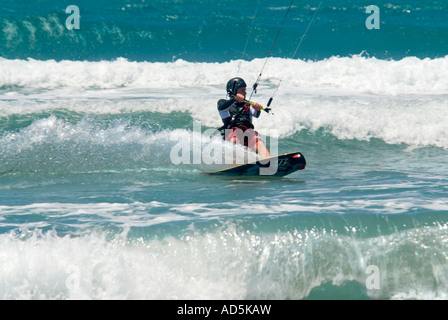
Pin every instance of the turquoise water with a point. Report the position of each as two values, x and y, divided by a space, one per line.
160 30
93 204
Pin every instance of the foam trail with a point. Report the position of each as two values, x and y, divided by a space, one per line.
55 144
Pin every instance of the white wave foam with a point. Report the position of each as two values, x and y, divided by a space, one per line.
227 264
54 144
119 73
351 98
415 122
58 145
359 74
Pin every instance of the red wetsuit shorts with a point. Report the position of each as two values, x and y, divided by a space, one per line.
244 135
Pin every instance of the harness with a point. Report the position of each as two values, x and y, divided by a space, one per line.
242 116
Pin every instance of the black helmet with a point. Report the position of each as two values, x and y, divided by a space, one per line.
234 84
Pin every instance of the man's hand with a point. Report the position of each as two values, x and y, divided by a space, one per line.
257 106
239 98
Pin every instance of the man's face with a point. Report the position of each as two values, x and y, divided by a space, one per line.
242 91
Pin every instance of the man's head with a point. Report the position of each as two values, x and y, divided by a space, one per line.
236 85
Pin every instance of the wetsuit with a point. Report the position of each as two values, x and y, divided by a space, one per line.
237 120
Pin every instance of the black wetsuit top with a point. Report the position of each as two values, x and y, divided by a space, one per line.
236 114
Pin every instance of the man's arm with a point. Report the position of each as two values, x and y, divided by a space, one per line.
255 113
224 104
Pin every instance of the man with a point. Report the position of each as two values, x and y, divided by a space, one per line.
237 118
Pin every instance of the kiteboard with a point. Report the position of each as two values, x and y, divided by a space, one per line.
279 166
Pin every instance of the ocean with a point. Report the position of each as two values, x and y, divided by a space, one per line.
105 122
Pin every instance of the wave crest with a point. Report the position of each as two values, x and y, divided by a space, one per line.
355 74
